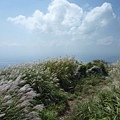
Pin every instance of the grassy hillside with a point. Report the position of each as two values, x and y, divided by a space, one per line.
44 90
104 104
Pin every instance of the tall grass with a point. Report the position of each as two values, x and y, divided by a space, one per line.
40 91
36 91
105 105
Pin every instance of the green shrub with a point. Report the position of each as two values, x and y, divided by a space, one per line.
64 69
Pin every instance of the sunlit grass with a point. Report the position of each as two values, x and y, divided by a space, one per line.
104 105
25 87
41 90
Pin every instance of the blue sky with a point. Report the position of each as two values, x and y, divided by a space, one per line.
38 29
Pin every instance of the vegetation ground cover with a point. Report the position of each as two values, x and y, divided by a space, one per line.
44 89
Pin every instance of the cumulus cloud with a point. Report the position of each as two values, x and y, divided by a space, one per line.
64 17
97 18
61 16
68 19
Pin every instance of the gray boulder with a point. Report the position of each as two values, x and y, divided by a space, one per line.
95 69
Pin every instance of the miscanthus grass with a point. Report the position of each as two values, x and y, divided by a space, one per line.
104 105
36 91
41 90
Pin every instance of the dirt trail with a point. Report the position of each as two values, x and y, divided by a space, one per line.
101 86
71 104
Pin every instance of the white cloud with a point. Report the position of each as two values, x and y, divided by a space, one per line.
66 18
31 23
70 25
61 16
97 18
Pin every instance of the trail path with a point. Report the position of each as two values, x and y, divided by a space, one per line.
101 86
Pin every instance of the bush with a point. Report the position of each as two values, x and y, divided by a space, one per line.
64 69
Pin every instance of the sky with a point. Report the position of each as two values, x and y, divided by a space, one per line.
40 29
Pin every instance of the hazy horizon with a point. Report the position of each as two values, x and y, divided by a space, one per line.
11 62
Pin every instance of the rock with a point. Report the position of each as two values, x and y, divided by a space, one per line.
95 69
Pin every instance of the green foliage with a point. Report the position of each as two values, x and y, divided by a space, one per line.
48 114
51 81
89 65
64 70
105 105
92 80
10 110
82 71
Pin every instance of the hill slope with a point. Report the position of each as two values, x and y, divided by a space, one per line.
43 90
